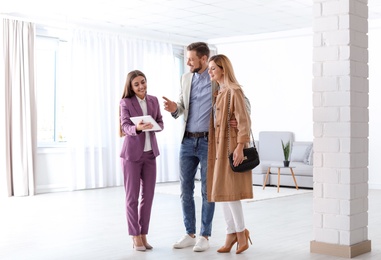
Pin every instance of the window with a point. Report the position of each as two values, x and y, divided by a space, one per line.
178 53
51 61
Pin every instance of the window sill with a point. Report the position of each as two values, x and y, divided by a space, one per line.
43 148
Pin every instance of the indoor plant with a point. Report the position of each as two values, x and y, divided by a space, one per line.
286 152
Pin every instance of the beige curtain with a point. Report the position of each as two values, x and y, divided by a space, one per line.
18 110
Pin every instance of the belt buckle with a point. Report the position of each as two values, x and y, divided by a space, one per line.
201 134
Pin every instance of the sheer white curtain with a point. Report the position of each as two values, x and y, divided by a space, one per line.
100 63
18 109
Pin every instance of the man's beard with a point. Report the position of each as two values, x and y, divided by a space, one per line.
195 70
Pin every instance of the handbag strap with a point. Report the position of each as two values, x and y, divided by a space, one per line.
228 123
251 132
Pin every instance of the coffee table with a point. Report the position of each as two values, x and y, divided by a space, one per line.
279 167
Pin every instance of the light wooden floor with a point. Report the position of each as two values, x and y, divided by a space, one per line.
91 225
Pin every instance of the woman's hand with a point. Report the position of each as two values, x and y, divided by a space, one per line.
238 156
233 123
144 126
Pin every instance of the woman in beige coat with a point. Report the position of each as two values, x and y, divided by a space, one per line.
224 185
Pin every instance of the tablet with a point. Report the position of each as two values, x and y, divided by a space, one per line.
146 119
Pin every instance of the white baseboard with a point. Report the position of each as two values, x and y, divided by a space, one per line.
51 188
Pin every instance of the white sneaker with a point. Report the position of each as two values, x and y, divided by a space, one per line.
201 245
184 242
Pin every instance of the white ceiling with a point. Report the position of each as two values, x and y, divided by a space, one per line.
189 20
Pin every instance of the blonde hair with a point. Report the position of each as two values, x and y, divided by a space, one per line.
224 63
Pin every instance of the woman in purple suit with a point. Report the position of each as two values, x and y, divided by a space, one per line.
138 155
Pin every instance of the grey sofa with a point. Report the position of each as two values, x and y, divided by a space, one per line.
270 152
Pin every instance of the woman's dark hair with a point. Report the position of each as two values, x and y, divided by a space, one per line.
128 92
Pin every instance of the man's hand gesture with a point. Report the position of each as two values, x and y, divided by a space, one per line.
169 105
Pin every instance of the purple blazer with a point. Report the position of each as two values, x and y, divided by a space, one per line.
133 144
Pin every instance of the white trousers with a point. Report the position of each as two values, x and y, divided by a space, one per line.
233 214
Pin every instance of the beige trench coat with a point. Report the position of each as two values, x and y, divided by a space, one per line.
222 183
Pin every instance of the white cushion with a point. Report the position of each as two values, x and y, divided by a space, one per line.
300 151
310 160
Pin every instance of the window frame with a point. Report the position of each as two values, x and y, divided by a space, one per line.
53 44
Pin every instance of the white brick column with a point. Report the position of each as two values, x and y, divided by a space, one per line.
340 114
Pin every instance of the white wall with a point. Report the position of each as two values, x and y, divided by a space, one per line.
52 170
276 73
375 105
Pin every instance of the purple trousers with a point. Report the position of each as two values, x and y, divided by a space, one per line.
139 179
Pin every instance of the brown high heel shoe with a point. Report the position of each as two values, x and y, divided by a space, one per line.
246 246
224 249
135 242
145 243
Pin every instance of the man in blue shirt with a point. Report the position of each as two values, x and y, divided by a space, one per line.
195 104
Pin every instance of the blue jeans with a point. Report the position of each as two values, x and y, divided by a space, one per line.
194 151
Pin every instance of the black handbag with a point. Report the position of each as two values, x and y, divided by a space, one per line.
251 156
